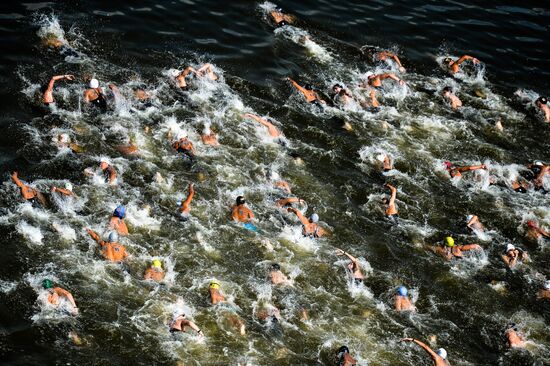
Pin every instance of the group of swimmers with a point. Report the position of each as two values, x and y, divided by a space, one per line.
113 251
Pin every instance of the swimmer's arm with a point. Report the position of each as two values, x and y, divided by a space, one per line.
66 192
466 57
319 98
259 119
506 259
286 201
190 196
393 194
112 175
425 347
297 86
469 247
67 294
235 214
373 99
471 167
351 258
94 236
544 232
301 216
190 324
17 181
187 71
389 75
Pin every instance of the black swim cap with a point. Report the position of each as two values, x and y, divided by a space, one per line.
337 86
276 266
542 100
343 349
447 89
447 60
240 200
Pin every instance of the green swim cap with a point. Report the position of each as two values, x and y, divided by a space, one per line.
47 284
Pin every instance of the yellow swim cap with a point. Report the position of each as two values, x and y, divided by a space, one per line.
450 242
214 285
157 263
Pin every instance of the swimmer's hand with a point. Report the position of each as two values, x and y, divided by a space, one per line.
69 77
402 69
407 340
475 61
339 251
402 82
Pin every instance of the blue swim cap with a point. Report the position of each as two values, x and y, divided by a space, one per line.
120 211
402 290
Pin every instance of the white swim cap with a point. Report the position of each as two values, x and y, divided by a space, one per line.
381 157
175 73
442 353
314 217
181 135
206 130
69 186
275 176
547 285
368 74
64 137
538 163
510 247
94 84
469 217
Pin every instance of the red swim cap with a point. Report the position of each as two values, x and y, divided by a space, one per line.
448 165
531 223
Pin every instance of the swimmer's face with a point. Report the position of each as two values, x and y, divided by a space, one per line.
336 89
103 165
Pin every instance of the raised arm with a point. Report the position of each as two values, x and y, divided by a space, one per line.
67 294
341 252
392 76
94 236
286 201
471 167
466 57
300 215
16 180
64 191
187 71
297 86
424 346
393 194
259 119
190 196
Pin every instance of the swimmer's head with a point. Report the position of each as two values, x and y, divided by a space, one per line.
547 285
381 157
531 224
182 135
542 100
103 165
447 60
402 291
469 217
314 218
510 247
369 50
442 353
308 87
94 83
447 89
275 267
120 212
156 263
174 73
206 130
342 350
214 285
113 237
449 242
46 284
448 165
240 200
538 163
69 186
369 74
336 88
274 176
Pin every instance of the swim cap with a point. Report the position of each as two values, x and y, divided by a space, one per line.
275 176
240 200
447 60
175 73
206 130
447 89
47 284
450 242
182 135
402 290
69 186
120 211
113 237
542 100
214 285
547 285
337 86
94 83
538 163
276 267
448 165
381 157
469 217
314 218
442 353
343 349
157 263
531 224
510 247
368 74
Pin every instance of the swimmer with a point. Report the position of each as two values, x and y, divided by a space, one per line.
128 149
542 104
534 231
439 357
240 213
454 66
67 191
141 95
269 312
208 71
94 95
520 185
473 223
456 171
377 55
56 292
111 249
180 76
449 96
353 266
375 80
208 137
109 172
185 206
541 171
513 255
402 301
391 210
155 272
277 277
280 18
216 298
185 146
449 250
28 193
513 338
51 40
271 129
344 358
310 227
544 292
386 160
341 95
47 97
180 324
307 91
117 221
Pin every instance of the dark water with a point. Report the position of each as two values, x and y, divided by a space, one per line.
122 319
